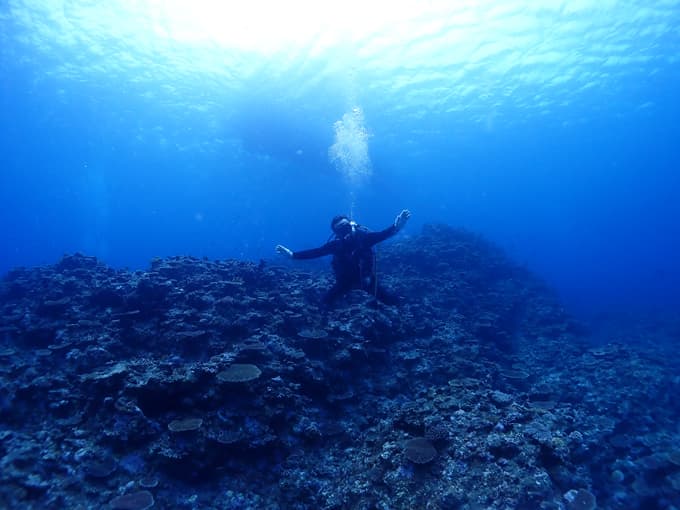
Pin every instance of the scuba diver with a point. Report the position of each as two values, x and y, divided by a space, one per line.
353 256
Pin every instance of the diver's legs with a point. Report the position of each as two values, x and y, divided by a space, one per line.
380 292
386 296
338 289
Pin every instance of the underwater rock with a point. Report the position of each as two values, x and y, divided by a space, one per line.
476 390
239 372
141 500
419 450
100 468
580 499
185 425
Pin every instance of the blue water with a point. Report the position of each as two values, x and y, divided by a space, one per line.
138 129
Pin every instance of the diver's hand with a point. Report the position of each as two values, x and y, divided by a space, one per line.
282 250
401 219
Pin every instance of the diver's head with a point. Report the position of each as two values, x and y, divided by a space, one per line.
342 226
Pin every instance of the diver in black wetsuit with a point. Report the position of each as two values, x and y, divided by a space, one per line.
353 256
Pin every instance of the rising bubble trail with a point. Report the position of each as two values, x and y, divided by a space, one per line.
349 152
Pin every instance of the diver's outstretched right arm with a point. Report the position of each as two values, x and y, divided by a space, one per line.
282 250
327 249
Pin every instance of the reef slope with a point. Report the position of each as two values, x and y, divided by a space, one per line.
223 384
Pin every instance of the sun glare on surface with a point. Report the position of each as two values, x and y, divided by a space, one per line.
410 57
265 26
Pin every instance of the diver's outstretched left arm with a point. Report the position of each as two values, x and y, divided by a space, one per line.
399 223
401 219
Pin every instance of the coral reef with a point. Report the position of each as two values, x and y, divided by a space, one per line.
226 385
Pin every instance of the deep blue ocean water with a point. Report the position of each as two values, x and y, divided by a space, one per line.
131 130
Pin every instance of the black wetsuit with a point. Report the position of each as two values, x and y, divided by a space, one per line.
353 263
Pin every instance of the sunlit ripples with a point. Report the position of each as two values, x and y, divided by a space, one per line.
415 60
